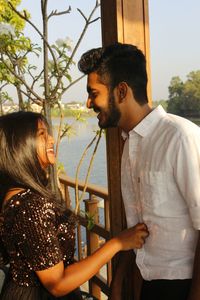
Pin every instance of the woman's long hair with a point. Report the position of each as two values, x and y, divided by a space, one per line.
19 163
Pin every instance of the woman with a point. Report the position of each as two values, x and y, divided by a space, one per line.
37 235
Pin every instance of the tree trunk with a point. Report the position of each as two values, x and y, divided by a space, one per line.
20 97
47 104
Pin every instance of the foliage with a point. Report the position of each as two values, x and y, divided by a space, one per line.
14 50
61 168
14 47
162 102
90 218
8 16
73 113
184 97
4 98
54 76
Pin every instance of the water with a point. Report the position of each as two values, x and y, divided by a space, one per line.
71 150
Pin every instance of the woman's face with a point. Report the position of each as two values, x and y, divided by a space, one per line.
44 145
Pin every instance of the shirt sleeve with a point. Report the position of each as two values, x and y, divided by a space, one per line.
36 234
187 173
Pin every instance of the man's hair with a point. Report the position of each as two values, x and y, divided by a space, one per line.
118 63
19 163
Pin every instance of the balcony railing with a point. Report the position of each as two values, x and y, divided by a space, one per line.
96 205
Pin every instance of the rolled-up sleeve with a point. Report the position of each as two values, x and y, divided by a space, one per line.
187 173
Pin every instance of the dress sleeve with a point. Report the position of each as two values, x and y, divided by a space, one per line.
36 236
4 259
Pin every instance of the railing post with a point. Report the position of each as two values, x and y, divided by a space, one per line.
65 194
91 207
96 193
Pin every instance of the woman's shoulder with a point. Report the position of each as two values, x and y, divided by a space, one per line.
28 200
26 209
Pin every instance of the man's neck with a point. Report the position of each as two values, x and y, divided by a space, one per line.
134 117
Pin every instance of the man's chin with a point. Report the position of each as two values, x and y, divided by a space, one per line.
108 122
104 125
101 125
101 122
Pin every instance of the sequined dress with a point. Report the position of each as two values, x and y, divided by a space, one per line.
37 235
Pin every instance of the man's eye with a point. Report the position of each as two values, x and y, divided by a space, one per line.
93 95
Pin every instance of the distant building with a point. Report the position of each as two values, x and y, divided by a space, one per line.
76 106
10 108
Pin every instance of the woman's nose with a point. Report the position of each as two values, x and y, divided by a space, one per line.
51 139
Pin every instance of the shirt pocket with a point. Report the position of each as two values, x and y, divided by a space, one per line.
153 187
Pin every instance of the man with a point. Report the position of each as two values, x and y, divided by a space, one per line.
160 171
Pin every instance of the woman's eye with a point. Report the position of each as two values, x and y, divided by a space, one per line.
42 132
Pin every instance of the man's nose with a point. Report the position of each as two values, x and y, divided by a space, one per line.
89 103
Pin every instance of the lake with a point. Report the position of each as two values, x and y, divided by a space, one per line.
72 148
70 152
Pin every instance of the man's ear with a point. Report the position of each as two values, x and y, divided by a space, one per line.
122 89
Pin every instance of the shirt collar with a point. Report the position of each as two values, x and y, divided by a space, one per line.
148 124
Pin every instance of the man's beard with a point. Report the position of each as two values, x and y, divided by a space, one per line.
113 114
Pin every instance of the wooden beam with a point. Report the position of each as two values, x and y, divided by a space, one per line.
125 21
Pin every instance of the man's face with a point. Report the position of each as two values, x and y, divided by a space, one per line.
102 102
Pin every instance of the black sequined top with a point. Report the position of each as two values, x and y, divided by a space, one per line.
37 235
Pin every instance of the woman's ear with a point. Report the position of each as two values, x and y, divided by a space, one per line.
122 89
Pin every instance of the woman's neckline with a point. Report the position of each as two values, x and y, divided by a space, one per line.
12 193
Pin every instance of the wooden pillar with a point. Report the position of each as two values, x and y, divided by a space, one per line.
125 21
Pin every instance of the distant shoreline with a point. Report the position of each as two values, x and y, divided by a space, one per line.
55 113
89 114
196 121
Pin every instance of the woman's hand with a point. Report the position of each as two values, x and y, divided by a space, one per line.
133 238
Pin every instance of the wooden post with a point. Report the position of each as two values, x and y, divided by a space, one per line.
91 206
125 21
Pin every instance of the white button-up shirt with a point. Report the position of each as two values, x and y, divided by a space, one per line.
161 187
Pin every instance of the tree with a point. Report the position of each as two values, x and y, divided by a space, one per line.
11 42
14 49
162 102
175 94
184 97
54 76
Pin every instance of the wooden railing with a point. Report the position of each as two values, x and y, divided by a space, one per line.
96 205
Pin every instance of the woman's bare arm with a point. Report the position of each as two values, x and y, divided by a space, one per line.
60 281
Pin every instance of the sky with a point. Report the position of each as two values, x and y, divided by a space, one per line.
174 42
174 38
